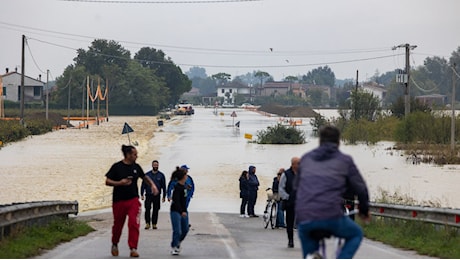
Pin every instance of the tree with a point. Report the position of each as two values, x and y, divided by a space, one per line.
163 67
221 78
320 76
196 72
207 86
101 53
363 105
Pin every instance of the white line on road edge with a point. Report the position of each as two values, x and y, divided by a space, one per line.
224 236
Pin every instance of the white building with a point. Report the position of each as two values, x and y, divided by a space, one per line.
33 89
378 92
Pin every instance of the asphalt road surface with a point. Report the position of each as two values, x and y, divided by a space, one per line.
212 235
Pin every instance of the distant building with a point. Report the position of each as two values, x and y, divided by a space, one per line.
229 90
33 88
375 90
274 89
433 100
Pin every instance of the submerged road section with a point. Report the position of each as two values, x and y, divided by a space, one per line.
212 235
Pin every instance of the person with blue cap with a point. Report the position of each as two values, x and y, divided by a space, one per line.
189 185
253 183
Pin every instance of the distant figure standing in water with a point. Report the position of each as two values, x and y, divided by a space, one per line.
253 183
244 193
123 177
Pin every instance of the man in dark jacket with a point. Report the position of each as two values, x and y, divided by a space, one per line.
153 201
287 194
325 174
253 184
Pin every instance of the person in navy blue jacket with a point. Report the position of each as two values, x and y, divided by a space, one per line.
153 201
253 183
244 193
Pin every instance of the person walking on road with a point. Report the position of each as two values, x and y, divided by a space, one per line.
153 201
189 185
123 177
325 174
253 183
244 193
178 212
279 209
288 194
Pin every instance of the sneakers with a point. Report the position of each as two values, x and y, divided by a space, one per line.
147 226
134 253
242 216
253 216
154 226
175 251
114 250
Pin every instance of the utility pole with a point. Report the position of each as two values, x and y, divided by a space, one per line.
355 101
406 77
22 79
452 123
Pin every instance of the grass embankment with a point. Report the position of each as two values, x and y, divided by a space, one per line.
424 238
32 241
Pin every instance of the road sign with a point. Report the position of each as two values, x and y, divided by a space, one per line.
233 114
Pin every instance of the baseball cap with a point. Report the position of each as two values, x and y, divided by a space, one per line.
185 167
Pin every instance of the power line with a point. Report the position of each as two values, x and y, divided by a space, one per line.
236 66
162 2
216 50
33 59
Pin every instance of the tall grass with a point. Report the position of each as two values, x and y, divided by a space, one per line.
33 240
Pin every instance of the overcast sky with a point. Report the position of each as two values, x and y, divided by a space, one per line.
281 37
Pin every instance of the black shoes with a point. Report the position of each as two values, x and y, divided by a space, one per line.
253 216
290 244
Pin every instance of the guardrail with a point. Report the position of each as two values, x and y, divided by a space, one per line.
17 216
443 216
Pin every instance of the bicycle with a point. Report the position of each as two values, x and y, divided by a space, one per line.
321 235
270 211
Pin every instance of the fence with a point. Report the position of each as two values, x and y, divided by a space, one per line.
443 216
15 217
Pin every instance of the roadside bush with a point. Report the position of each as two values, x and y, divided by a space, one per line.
39 126
280 134
12 131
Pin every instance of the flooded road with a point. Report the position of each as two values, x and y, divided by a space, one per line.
217 152
71 164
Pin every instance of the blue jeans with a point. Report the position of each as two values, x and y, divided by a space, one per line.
179 227
342 227
280 215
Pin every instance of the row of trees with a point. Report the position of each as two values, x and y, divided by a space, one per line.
143 84
433 77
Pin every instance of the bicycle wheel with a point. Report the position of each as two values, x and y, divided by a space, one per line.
273 214
267 214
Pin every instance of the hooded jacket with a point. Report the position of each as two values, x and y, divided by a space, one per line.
325 174
253 181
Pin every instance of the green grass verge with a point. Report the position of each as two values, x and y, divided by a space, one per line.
424 238
31 241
